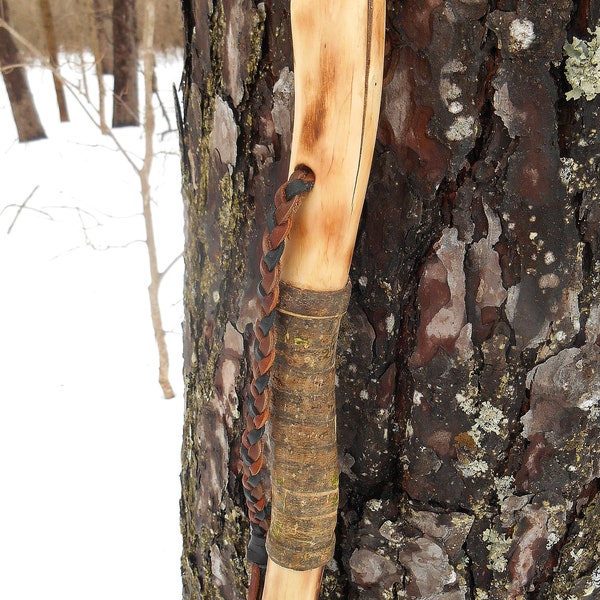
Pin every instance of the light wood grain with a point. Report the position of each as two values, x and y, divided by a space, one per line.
285 584
338 67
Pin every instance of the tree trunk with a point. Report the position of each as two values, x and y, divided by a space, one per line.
96 36
468 382
52 48
103 19
28 123
125 104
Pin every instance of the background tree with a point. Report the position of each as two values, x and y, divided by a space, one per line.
469 389
24 112
71 24
103 24
52 48
125 56
99 47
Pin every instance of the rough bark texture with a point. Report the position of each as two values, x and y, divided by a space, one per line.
29 126
125 64
468 379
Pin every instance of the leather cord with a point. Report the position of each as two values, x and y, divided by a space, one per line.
278 226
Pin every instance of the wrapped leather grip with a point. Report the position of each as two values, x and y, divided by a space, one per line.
305 467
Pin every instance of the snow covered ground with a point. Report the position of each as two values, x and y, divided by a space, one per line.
89 449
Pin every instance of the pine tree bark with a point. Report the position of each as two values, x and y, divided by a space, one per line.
29 126
468 381
125 64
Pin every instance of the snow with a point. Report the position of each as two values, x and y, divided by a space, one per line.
89 449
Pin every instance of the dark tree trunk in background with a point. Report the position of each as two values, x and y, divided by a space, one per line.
52 48
125 104
24 112
469 361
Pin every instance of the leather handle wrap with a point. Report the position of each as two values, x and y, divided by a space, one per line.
305 467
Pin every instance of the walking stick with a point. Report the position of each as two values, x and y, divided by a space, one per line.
304 291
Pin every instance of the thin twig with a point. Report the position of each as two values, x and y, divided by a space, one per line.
160 102
21 207
97 248
36 210
168 267
10 68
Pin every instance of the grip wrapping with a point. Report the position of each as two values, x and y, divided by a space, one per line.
303 420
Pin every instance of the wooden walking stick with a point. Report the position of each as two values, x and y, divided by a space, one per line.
338 66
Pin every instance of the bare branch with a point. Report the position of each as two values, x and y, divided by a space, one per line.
21 207
155 275
36 210
96 248
169 266
12 67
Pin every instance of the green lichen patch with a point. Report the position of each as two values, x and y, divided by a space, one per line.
498 545
582 67
504 486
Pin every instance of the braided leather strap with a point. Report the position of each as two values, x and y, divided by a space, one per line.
279 222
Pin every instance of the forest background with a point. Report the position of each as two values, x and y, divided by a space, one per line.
90 449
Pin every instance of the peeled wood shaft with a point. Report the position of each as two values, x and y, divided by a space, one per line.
338 72
305 472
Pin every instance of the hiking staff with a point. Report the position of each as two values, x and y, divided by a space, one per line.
304 291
